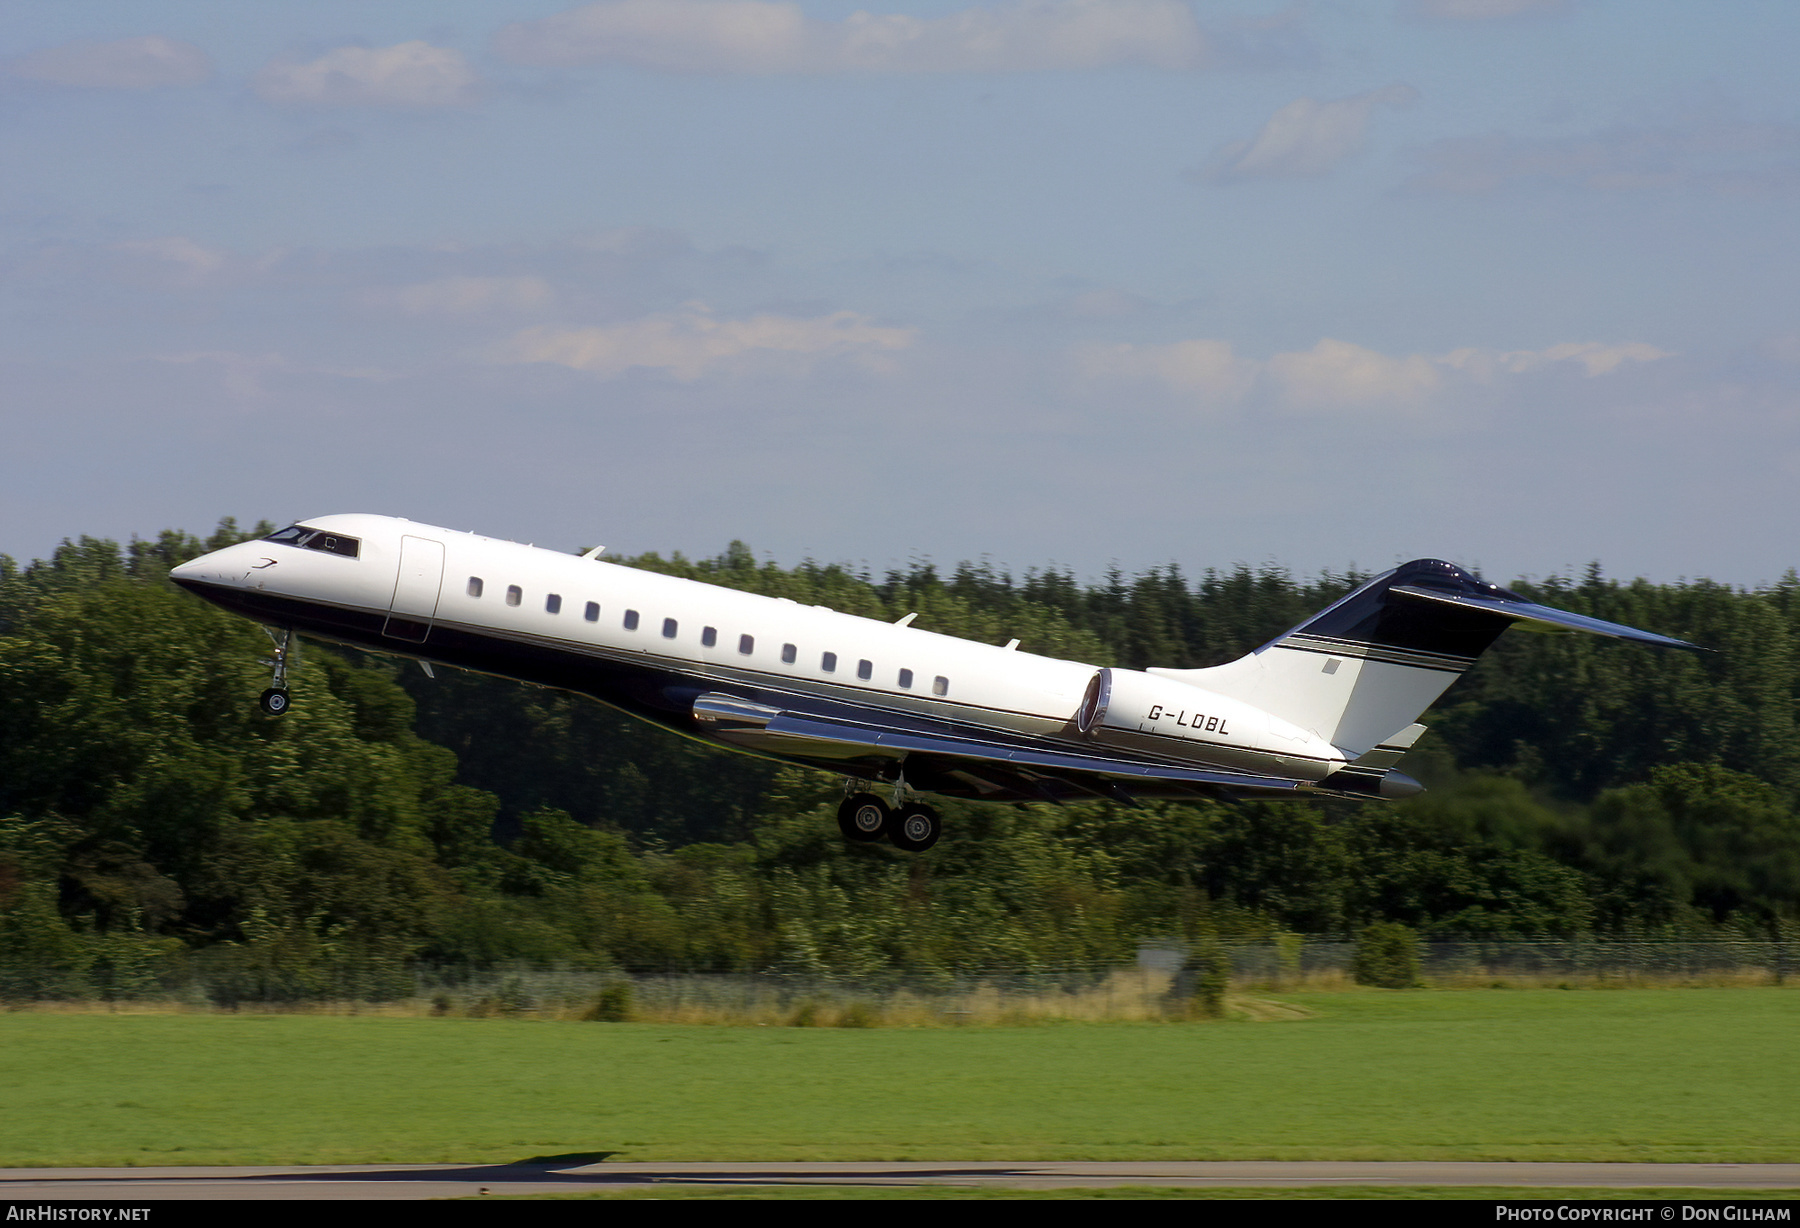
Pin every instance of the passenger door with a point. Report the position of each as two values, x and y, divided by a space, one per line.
416 589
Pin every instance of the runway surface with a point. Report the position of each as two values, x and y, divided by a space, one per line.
575 1174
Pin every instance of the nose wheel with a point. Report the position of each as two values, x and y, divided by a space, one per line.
274 701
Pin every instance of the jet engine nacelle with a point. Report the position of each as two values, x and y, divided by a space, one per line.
1131 708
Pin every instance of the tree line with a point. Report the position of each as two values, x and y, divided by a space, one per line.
155 825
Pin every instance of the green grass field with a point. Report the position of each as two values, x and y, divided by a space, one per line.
665 1192
1680 1074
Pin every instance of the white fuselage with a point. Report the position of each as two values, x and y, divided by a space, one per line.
651 643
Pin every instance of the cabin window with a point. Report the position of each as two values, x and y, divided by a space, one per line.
789 654
865 670
709 636
631 620
474 586
906 680
669 628
940 685
828 663
514 594
746 644
593 612
553 603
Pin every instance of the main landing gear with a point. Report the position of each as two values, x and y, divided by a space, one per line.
910 827
274 701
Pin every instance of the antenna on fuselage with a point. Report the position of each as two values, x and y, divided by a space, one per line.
594 553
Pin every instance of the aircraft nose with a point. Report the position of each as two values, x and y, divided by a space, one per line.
196 574
225 566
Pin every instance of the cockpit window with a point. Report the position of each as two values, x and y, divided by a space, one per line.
317 539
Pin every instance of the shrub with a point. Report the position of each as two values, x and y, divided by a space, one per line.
1387 955
1199 989
1287 955
613 1004
856 1015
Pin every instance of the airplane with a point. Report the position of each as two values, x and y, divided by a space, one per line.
1324 710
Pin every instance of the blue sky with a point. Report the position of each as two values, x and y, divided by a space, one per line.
1062 282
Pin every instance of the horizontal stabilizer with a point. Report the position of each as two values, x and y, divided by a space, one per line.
1539 617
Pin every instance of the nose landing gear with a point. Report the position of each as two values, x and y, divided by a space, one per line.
274 701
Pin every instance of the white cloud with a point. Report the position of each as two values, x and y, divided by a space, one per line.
692 342
247 377
679 35
1726 156
1205 367
1782 347
464 295
414 74
1305 138
1484 10
241 375
1598 359
762 38
1101 304
176 258
149 62
651 242
1338 374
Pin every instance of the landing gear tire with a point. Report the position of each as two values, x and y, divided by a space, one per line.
915 829
274 701
864 818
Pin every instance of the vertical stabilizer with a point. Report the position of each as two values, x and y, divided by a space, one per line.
1361 672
